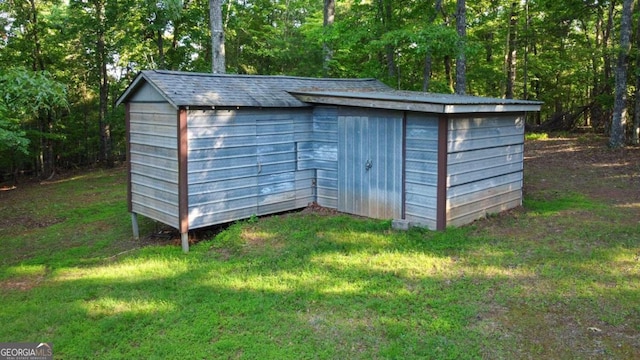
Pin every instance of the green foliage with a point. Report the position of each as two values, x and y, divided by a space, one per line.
23 96
568 62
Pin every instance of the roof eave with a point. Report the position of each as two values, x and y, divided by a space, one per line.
418 106
490 108
136 83
370 103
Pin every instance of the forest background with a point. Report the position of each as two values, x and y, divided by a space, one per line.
63 63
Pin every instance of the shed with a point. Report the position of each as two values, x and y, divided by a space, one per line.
205 149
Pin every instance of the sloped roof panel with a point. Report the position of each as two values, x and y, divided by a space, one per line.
199 89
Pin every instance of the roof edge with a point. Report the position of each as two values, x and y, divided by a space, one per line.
394 101
136 83
188 73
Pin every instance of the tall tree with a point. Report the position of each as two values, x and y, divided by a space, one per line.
102 62
328 18
510 60
461 59
217 37
619 120
635 138
428 58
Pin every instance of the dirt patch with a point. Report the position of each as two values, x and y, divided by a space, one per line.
28 222
584 164
22 283
316 209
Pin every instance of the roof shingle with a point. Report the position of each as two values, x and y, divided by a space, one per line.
199 89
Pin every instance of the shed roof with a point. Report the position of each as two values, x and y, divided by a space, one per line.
199 89
416 101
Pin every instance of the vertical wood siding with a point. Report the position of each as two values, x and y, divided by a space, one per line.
370 162
421 169
154 161
485 157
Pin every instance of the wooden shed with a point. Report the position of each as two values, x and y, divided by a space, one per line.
205 149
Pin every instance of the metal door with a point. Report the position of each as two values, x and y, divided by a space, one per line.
370 165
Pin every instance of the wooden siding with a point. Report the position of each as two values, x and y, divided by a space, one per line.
146 93
484 172
245 162
421 169
154 160
323 155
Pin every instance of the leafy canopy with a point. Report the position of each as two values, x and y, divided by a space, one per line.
23 96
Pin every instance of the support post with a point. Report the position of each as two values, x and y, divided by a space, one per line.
185 241
134 225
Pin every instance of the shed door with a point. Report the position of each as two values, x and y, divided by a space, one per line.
370 164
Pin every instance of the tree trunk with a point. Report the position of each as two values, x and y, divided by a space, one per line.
619 119
428 58
525 70
448 73
45 158
426 80
511 51
329 13
160 43
101 49
38 62
461 60
635 138
217 37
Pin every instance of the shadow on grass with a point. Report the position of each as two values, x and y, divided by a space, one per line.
305 286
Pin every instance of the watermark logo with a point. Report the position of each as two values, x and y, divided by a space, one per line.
26 351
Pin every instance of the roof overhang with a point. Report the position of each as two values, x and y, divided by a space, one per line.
417 101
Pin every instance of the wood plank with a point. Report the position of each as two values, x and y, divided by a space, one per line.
471 156
484 207
168 219
512 120
154 108
459 179
485 165
479 186
483 143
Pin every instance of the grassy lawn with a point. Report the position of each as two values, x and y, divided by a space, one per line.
556 279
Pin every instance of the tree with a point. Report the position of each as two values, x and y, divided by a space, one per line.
635 138
329 13
24 96
461 59
617 135
510 59
217 37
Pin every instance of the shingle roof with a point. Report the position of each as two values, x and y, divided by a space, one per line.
198 89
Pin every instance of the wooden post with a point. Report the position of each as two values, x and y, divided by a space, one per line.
185 241
134 224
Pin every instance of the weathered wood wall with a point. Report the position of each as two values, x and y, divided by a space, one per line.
421 169
484 165
250 161
323 155
245 162
153 159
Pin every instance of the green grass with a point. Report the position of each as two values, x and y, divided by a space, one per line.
558 279
536 136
